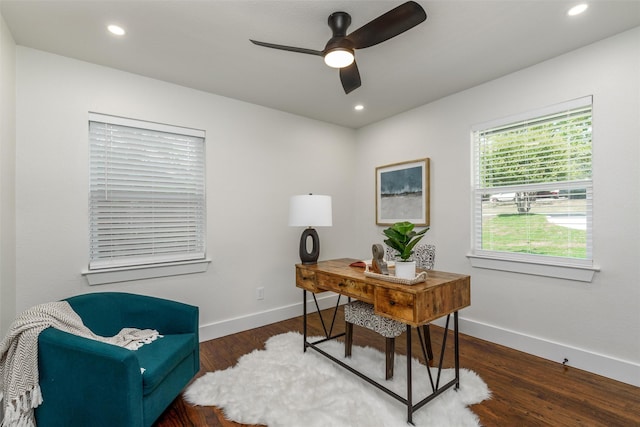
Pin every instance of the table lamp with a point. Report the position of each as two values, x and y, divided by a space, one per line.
310 210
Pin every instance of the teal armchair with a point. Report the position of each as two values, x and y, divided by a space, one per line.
89 383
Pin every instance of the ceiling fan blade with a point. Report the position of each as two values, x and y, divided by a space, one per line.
350 77
391 24
289 48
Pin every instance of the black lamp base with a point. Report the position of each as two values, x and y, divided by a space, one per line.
305 256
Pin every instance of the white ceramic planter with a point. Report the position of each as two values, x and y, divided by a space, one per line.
406 269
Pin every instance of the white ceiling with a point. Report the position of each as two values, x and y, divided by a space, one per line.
204 44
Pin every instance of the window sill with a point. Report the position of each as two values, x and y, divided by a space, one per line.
578 273
125 274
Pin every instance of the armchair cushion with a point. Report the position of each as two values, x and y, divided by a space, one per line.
161 357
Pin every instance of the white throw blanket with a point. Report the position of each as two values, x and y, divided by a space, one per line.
19 380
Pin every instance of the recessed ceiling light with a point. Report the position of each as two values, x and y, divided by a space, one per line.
117 30
577 10
359 107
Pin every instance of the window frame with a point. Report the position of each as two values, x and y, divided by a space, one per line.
542 265
159 265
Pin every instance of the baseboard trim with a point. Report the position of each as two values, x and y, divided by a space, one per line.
254 320
607 366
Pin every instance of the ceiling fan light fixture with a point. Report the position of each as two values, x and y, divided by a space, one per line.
339 58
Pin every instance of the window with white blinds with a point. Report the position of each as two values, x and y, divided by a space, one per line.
533 186
147 195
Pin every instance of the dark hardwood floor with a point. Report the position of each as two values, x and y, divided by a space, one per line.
527 390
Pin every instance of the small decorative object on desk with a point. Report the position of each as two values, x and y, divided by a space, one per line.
377 263
403 238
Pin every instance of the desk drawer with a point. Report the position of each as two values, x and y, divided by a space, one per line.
418 308
395 304
306 279
348 287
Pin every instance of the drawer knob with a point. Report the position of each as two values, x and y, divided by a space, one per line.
392 302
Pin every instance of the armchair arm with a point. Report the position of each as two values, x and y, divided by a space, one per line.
80 377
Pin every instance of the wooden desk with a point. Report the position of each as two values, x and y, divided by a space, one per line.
442 294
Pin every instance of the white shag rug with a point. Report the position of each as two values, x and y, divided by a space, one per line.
284 386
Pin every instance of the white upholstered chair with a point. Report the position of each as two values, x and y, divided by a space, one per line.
361 313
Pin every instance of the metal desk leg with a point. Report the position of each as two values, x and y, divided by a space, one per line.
304 320
456 349
409 387
305 323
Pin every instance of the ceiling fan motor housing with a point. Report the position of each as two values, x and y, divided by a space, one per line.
339 22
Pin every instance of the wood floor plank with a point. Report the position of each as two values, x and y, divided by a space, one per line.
526 390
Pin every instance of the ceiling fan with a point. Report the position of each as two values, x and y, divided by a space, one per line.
339 50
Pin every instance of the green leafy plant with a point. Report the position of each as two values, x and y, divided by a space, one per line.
403 238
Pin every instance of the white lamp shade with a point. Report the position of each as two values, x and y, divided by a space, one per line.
310 210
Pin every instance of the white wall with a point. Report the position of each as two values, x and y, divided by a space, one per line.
595 325
256 159
7 178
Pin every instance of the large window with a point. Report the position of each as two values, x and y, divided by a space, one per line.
533 186
147 199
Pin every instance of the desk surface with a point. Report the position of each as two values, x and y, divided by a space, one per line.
441 294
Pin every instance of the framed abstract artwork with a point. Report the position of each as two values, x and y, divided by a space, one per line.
402 193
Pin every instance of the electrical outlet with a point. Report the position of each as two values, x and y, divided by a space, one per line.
260 292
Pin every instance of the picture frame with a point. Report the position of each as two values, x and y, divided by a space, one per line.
402 193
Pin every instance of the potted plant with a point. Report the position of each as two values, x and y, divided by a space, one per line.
403 238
